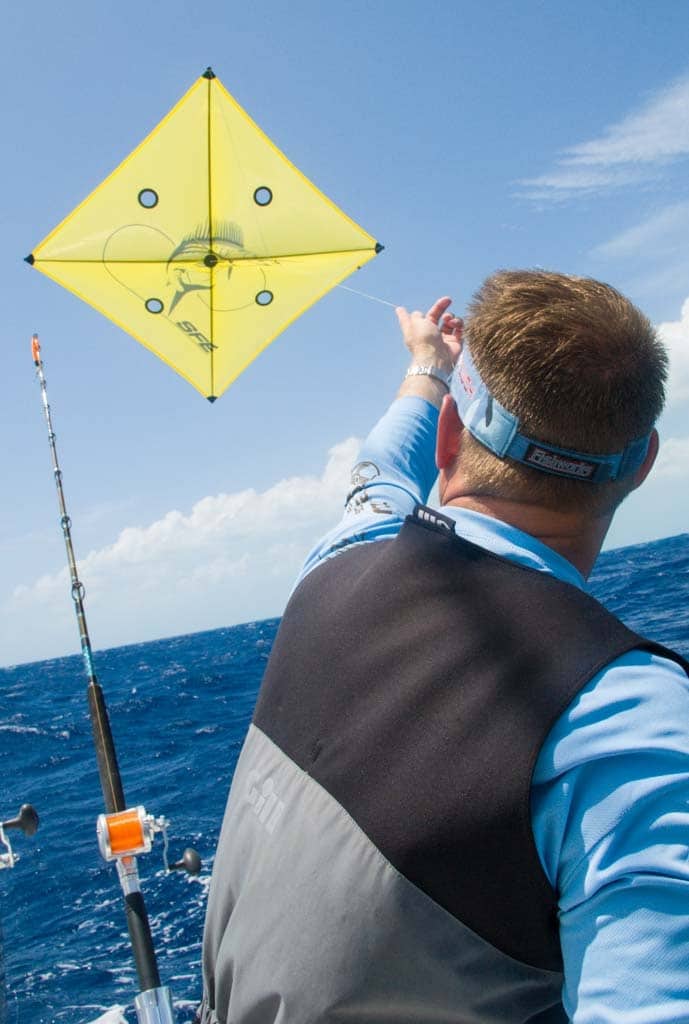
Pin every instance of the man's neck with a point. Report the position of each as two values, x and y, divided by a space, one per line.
576 538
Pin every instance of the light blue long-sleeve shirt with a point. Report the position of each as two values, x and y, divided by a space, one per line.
610 791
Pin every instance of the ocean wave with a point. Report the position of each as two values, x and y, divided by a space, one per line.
179 709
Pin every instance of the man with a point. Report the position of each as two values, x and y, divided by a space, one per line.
465 792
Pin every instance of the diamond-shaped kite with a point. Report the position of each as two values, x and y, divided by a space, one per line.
206 242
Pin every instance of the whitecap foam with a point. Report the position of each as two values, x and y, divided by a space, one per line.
114 1015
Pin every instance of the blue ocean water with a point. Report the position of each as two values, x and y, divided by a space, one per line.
179 710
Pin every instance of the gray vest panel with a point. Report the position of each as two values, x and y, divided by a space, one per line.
323 929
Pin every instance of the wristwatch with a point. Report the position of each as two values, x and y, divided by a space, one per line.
417 370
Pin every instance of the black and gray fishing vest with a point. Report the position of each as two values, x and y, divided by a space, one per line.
377 861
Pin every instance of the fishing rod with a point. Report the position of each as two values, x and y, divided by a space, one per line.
123 833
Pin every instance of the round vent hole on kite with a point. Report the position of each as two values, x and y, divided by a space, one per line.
154 306
210 259
148 198
264 298
263 195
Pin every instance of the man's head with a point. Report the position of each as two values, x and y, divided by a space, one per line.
580 367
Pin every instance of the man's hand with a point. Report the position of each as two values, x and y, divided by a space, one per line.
433 339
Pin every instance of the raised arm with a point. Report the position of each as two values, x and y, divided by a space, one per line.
395 467
434 341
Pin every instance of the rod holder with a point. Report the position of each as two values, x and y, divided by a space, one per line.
154 1006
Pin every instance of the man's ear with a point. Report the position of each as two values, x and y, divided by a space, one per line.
449 436
647 465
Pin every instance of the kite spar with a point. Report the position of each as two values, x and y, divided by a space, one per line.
123 833
206 242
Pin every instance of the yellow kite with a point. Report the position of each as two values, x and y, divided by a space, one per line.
206 242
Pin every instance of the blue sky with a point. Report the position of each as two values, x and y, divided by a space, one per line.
465 136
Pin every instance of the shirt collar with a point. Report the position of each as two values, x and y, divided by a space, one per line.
503 539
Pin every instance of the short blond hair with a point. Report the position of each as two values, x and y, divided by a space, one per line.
580 366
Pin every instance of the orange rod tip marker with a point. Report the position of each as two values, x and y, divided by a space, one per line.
35 349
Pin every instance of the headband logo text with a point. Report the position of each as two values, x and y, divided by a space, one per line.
551 462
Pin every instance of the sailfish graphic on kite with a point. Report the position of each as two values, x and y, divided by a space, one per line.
206 242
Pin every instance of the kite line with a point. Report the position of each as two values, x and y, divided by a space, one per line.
373 298
123 833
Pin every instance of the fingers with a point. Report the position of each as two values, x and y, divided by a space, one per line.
415 323
450 324
438 308
436 313
435 336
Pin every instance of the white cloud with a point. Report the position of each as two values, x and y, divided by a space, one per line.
673 459
652 256
675 334
232 558
657 132
663 234
627 152
660 508
567 181
667 279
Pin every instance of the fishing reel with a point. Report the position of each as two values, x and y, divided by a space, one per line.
27 822
130 833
